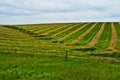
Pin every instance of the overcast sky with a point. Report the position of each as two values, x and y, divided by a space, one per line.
44 11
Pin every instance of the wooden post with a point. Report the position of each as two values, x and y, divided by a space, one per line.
66 59
92 50
15 50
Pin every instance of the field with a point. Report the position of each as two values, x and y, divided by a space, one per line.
60 51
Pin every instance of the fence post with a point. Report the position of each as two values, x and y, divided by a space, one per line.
66 58
15 50
92 50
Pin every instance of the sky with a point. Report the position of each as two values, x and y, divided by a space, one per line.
55 11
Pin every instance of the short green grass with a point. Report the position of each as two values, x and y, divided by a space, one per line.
25 57
51 66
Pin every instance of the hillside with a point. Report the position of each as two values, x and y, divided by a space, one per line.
38 51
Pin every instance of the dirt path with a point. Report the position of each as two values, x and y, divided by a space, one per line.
85 33
97 36
63 31
113 42
46 33
61 39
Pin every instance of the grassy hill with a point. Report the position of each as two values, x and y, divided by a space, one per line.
38 51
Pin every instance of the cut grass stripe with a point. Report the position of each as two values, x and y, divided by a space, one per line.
51 27
74 36
87 38
117 26
46 33
64 30
81 36
113 42
57 31
97 36
43 29
104 39
61 39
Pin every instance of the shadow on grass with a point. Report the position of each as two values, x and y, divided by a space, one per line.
61 42
112 55
32 34
84 49
19 29
17 55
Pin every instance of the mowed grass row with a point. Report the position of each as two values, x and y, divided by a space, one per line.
86 39
56 29
24 58
72 27
114 39
68 31
105 38
40 28
51 27
95 39
55 32
117 26
76 34
33 27
12 40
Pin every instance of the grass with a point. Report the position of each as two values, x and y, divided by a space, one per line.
117 26
67 32
48 67
104 40
77 33
25 57
67 26
90 35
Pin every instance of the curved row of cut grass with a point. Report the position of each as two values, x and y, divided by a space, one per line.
32 27
12 39
76 33
95 39
72 31
82 35
55 29
90 36
40 27
63 34
117 26
104 39
113 42
63 30
59 31
51 27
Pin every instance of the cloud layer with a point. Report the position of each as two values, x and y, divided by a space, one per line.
43 11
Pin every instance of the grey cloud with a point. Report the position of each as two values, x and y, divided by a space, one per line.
58 10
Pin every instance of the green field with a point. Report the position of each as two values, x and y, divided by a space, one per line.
38 51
